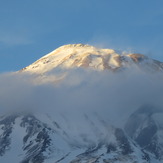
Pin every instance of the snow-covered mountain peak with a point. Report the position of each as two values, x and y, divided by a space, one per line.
77 55
79 49
83 55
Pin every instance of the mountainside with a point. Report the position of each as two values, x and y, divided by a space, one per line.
64 136
26 138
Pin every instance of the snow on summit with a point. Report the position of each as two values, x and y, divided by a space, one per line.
73 55
83 55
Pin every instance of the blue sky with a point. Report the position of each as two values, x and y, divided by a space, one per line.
30 29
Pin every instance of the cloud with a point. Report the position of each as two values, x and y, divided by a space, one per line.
113 96
85 103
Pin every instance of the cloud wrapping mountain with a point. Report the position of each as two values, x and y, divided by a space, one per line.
113 94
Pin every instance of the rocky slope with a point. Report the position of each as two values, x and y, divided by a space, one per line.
26 138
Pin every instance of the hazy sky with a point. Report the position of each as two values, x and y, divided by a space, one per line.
31 28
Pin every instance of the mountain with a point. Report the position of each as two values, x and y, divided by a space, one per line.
81 55
143 126
78 135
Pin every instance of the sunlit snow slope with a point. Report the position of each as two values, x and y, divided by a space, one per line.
80 55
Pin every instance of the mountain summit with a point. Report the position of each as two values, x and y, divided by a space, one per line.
81 55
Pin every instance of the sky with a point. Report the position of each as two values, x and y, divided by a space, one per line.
30 29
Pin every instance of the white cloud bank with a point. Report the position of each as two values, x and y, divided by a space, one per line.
112 96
